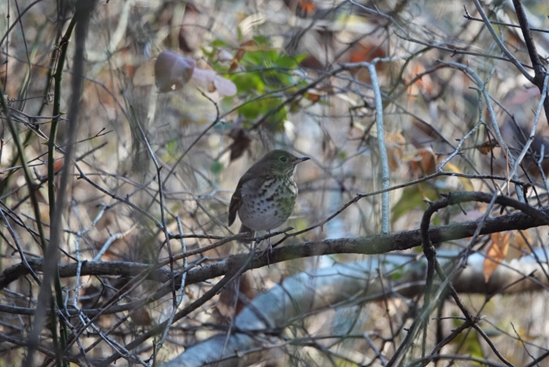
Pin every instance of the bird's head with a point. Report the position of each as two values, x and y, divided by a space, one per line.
279 162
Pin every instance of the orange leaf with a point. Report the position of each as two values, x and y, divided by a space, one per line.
496 253
421 85
487 147
307 7
363 51
58 164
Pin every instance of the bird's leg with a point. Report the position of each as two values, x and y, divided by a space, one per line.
253 243
269 249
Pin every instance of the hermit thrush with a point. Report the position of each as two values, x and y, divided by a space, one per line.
265 196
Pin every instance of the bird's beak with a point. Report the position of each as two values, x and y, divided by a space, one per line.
301 159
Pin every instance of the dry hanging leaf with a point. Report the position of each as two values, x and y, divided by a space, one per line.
210 81
522 239
423 85
487 147
465 182
141 317
395 142
241 51
495 254
519 245
313 97
225 87
204 79
365 51
422 162
241 142
144 75
172 71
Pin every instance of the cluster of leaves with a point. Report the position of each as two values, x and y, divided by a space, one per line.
265 78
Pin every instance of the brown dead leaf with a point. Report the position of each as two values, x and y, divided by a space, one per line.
204 79
366 52
422 162
241 51
496 253
487 147
422 85
518 245
172 71
313 97
90 296
144 75
394 144
141 317
241 142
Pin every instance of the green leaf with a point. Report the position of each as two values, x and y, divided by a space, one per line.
300 57
171 147
248 82
413 197
470 344
227 103
285 61
262 40
275 122
218 43
396 275
217 167
250 110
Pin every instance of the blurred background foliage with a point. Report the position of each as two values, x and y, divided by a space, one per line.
300 86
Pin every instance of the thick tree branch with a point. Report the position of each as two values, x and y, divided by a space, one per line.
380 244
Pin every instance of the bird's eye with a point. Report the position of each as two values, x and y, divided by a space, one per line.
284 159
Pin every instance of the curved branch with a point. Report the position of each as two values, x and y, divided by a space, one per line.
539 70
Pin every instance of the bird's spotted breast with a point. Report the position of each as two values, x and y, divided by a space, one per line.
268 206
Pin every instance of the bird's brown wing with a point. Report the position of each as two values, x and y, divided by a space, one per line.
236 202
